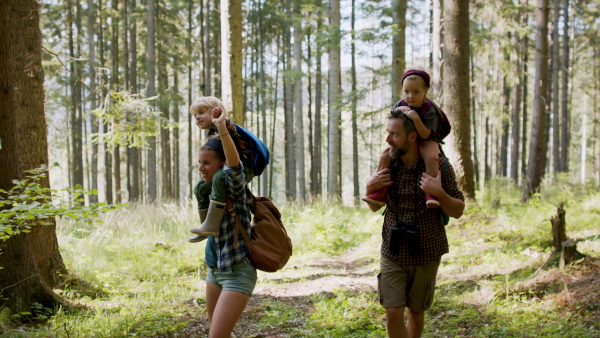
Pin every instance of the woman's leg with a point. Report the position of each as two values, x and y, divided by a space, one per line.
430 151
213 292
228 309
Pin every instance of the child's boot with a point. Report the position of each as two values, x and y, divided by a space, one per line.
210 226
431 201
379 197
198 238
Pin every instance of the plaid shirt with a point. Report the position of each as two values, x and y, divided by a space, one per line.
241 197
406 202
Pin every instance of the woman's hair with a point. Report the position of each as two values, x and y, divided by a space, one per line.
214 144
205 103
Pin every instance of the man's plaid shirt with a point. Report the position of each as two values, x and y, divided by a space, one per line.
406 202
241 197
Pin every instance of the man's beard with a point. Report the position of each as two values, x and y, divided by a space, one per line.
396 152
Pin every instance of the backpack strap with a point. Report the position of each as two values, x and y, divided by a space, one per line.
238 226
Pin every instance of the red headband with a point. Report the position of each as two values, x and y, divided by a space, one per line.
417 72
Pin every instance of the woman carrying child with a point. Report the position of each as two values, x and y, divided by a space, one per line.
231 278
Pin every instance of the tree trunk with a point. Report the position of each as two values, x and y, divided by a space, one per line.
316 176
290 163
20 281
150 92
505 127
75 117
299 116
28 76
175 183
334 187
163 107
93 120
231 59
564 140
457 91
190 124
398 47
555 89
525 53
436 46
515 121
354 99
263 98
133 178
535 169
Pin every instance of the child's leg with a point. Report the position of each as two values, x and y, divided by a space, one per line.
216 207
379 197
218 190
202 192
430 151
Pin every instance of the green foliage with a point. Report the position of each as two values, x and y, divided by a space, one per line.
29 203
132 120
136 274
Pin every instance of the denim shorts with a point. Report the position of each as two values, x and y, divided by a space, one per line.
242 278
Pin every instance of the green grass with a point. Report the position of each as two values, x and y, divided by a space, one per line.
136 274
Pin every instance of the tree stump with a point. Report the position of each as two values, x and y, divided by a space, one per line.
559 234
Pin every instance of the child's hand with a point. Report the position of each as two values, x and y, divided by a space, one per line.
404 109
413 115
218 115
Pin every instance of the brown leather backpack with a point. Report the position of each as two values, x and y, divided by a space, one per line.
270 247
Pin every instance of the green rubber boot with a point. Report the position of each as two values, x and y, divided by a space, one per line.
197 238
212 223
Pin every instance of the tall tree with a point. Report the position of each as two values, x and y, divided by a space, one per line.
21 283
133 180
299 116
535 168
555 88
334 187
114 85
354 102
75 86
150 92
515 134
231 58
288 102
28 76
564 140
457 91
91 30
316 162
525 53
398 47
437 38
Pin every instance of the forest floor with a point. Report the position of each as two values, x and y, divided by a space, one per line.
574 289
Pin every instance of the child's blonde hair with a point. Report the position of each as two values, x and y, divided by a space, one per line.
205 102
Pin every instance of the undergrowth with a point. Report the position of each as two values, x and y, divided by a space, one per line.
136 274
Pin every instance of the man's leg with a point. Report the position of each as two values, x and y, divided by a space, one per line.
394 322
416 323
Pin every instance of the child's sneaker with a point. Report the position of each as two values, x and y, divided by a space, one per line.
431 202
379 197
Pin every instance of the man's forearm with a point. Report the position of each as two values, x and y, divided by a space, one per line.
453 207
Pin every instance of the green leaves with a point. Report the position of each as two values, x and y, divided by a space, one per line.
28 204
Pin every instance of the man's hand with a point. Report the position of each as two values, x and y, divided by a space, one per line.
380 179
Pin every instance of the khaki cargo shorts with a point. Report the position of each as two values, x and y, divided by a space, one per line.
407 286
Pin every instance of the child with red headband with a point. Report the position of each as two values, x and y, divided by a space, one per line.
431 128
